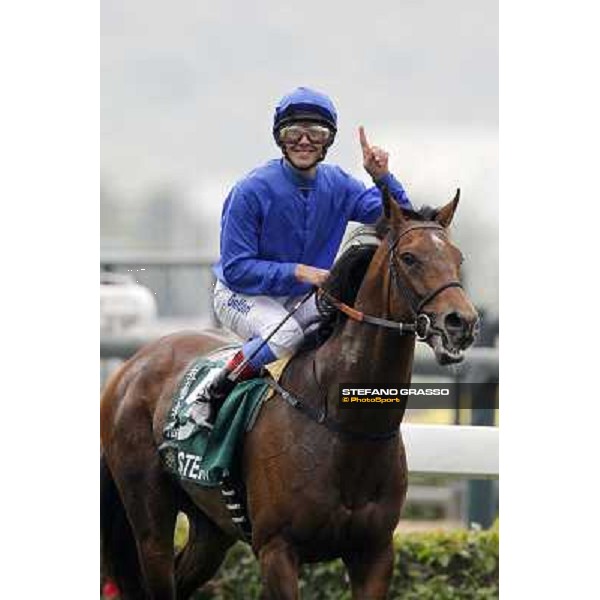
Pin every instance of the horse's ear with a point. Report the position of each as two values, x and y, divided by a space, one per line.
391 210
445 214
386 200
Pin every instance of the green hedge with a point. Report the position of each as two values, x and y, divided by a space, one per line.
457 565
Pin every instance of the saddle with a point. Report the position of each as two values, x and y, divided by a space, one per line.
211 458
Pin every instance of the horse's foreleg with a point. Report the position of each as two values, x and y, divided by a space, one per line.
279 570
371 573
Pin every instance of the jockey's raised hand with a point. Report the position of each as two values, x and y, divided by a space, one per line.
375 159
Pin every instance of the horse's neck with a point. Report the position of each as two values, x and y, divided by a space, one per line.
364 353
373 354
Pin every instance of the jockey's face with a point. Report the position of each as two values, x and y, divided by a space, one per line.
303 152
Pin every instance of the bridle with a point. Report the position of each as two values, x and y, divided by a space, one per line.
422 325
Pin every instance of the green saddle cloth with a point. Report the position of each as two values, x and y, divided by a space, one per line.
202 456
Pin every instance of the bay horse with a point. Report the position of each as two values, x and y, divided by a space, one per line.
317 489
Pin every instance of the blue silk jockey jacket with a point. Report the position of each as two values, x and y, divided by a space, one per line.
274 218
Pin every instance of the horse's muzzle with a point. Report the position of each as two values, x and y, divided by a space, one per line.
451 334
460 329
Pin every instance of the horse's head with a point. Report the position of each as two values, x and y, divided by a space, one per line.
425 270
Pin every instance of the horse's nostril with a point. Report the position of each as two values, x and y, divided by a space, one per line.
454 322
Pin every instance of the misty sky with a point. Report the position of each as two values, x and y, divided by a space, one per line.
188 90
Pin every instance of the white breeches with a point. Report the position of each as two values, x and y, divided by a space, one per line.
251 316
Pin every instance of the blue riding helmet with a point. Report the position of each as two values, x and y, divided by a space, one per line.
304 104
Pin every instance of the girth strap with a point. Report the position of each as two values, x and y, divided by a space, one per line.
322 419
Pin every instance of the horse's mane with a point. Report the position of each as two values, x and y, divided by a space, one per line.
348 272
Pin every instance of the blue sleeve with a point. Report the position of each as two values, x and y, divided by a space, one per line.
240 234
367 206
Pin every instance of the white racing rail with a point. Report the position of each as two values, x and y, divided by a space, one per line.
460 450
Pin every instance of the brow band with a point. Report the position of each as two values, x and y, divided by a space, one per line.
413 228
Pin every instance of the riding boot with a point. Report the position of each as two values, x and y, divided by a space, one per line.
214 395
220 387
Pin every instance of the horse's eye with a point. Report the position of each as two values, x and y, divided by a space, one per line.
408 259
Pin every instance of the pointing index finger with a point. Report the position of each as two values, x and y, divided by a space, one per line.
363 139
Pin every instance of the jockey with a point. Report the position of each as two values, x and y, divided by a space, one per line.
281 227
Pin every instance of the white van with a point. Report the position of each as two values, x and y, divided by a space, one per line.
124 304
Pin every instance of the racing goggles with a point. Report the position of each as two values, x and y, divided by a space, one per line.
316 134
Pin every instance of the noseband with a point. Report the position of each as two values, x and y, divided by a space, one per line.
421 325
